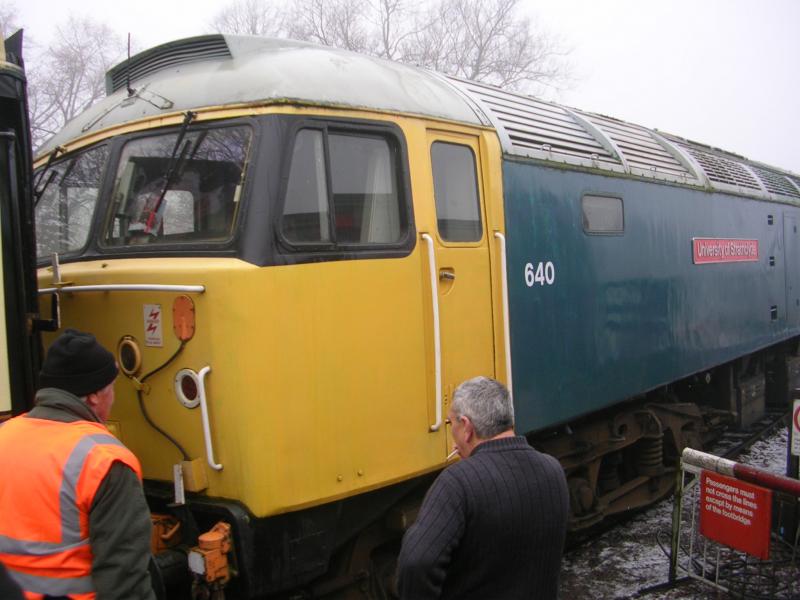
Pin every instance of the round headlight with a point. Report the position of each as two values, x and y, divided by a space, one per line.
129 356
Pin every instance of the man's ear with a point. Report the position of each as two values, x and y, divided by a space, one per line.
91 400
469 429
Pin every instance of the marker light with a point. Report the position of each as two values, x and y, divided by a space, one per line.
187 387
183 318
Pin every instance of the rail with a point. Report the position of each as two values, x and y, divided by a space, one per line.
125 287
201 390
506 327
437 342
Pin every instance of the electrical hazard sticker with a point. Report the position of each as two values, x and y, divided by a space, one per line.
153 335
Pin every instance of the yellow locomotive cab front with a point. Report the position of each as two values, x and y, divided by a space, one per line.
293 291
319 378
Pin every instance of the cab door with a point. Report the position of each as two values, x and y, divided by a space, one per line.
461 241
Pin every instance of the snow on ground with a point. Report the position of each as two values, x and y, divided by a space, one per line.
769 454
622 561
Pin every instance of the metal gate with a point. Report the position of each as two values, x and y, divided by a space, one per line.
697 556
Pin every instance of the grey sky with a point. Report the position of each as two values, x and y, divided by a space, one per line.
721 72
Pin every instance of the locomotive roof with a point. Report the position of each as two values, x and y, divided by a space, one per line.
215 70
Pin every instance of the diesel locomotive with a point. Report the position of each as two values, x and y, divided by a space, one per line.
299 252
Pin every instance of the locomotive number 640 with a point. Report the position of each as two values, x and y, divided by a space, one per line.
543 274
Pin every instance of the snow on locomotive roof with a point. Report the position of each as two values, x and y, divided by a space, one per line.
216 70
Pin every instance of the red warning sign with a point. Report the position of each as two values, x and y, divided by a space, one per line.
735 513
795 447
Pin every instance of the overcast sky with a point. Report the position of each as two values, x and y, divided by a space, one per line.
721 72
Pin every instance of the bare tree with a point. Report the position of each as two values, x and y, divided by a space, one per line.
338 23
431 45
8 19
483 40
487 40
251 17
394 23
69 75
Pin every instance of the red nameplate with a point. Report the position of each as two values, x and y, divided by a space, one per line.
717 250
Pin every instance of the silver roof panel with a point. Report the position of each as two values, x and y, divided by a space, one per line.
217 70
545 131
258 70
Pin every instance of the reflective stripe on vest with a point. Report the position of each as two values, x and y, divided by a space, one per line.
84 453
52 586
68 502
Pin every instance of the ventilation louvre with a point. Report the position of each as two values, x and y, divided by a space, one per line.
207 47
533 125
545 131
775 182
723 170
639 148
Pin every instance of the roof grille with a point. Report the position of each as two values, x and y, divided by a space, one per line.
207 47
722 170
640 149
775 182
533 125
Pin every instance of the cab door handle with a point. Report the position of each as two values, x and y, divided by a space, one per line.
446 275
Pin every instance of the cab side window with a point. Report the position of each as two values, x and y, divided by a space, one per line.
455 187
305 213
66 208
343 190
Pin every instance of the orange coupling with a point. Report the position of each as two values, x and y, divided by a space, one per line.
165 533
209 559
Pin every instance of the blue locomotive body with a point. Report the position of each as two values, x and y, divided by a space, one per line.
619 314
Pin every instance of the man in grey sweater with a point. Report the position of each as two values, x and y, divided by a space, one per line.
492 526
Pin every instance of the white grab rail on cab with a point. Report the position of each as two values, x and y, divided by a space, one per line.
437 342
506 327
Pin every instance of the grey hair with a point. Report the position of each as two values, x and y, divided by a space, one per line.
488 405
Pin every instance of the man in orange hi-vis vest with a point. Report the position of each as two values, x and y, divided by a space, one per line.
74 522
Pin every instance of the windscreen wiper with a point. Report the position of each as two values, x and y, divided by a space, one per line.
38 187
175 160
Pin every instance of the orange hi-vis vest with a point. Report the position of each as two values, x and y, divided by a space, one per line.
49 474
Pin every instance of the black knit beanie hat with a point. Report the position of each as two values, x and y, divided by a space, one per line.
77 363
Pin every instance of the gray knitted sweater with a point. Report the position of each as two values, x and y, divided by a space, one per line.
491 527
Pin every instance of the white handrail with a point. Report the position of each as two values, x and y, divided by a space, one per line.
506 328
437 343
201 390
125 287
